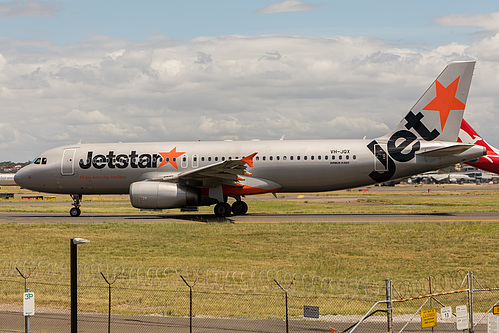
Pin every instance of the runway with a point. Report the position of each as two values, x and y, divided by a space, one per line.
342 198
487 217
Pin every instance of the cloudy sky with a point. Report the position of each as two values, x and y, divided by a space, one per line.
109 71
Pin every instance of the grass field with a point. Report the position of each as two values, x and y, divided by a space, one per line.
394 250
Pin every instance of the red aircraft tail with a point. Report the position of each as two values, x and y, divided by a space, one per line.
489 162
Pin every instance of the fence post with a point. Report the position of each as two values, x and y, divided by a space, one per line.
26 289
389 305
286 297
190 300
431 298
470 300
109 315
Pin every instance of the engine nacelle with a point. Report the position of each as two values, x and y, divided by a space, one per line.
162 195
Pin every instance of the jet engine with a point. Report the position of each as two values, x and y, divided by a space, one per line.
162 195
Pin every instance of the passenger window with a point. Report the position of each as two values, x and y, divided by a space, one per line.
284 158
216 159
258 158
264 158
326 157
347 157
340 157
291 158
271 158
209 159
277 158
223 158
333 157
298 158
354 157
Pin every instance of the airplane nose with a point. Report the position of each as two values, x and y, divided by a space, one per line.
22 177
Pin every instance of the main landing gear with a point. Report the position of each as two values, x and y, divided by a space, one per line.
75 211
223 209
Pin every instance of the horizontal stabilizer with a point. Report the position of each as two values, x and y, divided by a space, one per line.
445 151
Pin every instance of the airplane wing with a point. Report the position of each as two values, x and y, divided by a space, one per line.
221 173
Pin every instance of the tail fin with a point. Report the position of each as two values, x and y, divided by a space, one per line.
438 113
468 135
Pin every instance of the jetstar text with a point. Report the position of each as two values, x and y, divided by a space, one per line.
120 161
397 146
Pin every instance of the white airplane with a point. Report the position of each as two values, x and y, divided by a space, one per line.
451 177
191 174
7 179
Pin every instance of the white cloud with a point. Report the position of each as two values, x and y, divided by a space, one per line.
287 6
212 88
345 126
31 8
487 22
79 117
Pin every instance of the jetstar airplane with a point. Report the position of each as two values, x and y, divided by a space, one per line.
489 162
191 174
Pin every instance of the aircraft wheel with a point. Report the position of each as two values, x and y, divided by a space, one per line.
222 209
239 208
75 212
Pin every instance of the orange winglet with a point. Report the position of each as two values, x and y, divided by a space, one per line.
249 159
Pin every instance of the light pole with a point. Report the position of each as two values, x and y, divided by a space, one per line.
74 282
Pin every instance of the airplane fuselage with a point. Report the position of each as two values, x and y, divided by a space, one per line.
296 166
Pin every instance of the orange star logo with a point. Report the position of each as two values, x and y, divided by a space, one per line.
445 101
171 157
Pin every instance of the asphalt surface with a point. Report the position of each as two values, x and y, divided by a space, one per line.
13 217
88 323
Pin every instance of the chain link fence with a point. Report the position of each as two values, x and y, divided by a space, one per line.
128 299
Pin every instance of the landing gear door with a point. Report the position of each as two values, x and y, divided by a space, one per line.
67 165
380 159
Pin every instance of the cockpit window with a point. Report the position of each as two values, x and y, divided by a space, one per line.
40 160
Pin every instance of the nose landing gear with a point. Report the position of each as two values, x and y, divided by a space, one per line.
75 211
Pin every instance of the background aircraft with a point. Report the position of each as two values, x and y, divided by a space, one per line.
489 162
7 179
190 174
451 177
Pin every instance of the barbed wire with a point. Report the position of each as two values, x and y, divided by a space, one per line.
439 283
239 281
208 278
